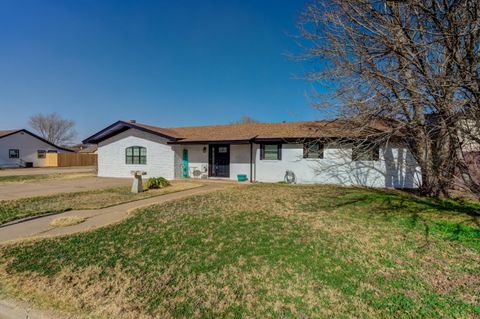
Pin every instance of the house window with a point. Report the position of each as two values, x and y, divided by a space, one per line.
136 155
365 152
13 153
271 151
41 154
223 149
312 150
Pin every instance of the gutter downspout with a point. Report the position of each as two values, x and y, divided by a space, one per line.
251 161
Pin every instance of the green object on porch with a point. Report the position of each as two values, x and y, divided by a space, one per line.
185 164
242 177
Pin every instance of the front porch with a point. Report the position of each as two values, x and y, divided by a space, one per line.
215 161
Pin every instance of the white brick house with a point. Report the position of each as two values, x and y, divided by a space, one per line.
160 157
23 148
262 152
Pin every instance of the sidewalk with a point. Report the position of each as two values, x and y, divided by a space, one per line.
12 309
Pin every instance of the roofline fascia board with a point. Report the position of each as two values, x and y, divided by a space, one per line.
293 140
179 142
38 137
11 133
86 141
254 140
279 139
111 134
92 140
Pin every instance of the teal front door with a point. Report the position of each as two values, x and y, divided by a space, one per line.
185 164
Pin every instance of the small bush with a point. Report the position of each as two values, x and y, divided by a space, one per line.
157 182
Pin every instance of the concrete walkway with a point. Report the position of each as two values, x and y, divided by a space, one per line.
36 227
12 309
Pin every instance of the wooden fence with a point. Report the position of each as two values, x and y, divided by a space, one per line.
70 159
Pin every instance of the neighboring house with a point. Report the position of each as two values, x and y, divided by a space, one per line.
264 152
19 148
471 147
88 149
468 133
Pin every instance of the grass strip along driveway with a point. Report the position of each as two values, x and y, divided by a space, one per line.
264 251
42 177
27 207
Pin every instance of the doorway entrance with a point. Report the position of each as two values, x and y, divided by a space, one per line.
185 163
219 161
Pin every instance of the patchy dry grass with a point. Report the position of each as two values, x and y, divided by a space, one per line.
27 207
264 251
65 221
42 177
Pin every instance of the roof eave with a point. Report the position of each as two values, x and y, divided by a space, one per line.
11 133
240 141
37 137
93 140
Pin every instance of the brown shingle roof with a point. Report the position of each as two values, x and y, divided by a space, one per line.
89 149
160 130
240 132
7 132
245 132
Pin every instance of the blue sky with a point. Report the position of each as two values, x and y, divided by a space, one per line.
167 63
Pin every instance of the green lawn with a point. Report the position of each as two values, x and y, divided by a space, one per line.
33 206
264 251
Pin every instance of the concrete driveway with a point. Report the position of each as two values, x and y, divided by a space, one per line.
46 170
49 187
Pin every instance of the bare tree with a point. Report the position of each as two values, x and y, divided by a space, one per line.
245 120
53 128
413 64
